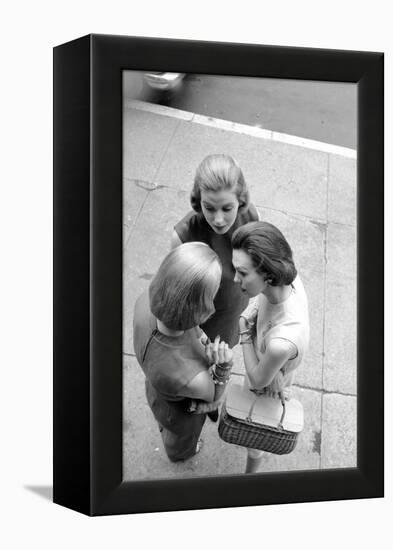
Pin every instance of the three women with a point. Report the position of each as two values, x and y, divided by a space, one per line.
209 287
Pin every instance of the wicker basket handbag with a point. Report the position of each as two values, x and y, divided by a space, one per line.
258 421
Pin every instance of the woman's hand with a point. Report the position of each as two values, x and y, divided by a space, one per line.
248 317
248 321
243 324
202 407
205 340
247 330
280 383
277 385
218 352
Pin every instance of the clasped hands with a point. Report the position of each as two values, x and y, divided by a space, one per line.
220 358
218 353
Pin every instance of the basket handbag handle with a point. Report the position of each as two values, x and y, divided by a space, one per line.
282 399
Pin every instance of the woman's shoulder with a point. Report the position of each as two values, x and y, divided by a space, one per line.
171 360
142 312
144 324
280 347
249 215
190 226
298 285
299 296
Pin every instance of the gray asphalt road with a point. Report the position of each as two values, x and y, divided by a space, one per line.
324 111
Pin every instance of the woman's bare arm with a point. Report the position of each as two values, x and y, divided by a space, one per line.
204 386
201 387
262 371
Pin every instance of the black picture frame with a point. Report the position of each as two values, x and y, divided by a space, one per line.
88 274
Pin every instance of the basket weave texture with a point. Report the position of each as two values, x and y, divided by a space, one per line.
255 436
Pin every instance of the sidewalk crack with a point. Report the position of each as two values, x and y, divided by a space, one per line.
165 152
324 391
148 186
296 215
325 266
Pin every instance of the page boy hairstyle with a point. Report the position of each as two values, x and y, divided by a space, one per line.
269 251
218 173
182 292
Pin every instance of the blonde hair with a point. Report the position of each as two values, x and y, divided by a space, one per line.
218 172
182 292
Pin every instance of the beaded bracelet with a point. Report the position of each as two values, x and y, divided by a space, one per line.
222 370
220 380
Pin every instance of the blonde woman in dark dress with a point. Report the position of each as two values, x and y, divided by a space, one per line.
184 372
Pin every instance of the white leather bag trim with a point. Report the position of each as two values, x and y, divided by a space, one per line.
267 410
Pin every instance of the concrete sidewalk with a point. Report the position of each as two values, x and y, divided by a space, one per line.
308 190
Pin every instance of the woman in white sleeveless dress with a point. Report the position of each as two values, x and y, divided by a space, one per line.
274 329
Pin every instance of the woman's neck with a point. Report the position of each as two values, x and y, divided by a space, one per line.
277 294
168 331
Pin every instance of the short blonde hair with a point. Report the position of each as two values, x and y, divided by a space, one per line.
217 173
182 292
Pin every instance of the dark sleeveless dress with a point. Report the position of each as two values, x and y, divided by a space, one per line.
169 364
230 300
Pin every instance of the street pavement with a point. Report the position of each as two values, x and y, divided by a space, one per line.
308 190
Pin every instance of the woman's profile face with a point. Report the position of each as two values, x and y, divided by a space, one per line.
220 209
251 282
